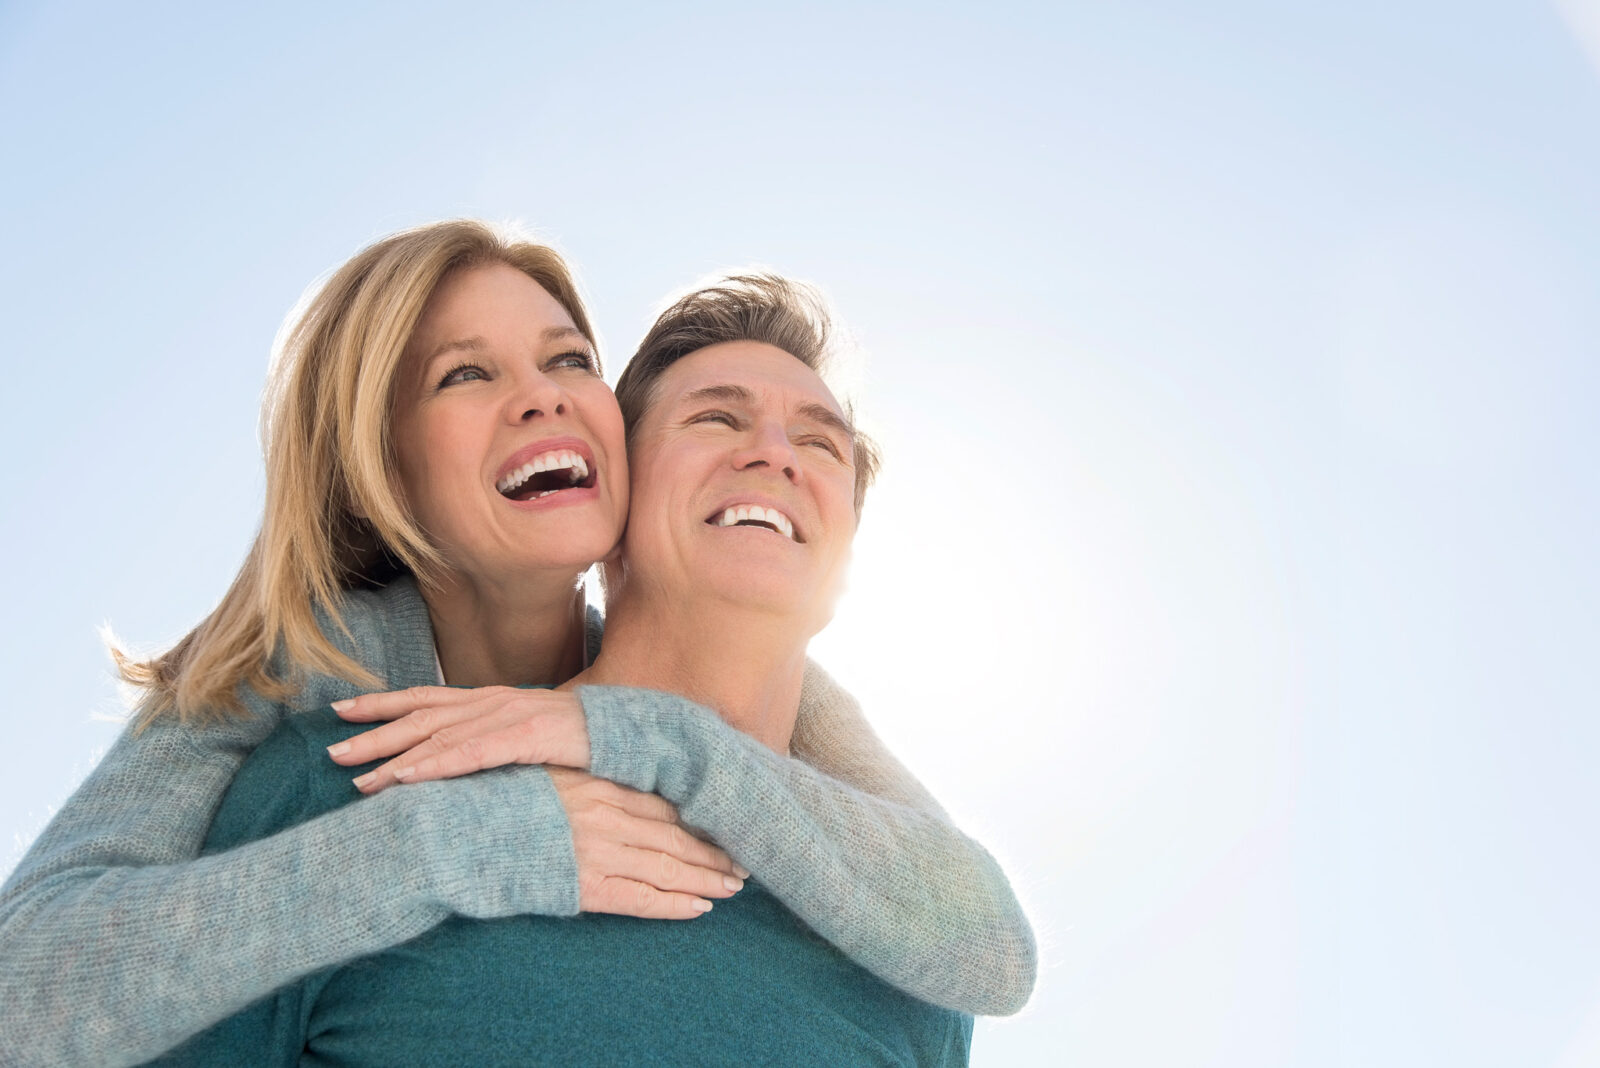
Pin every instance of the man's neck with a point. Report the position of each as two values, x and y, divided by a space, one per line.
746 667
508 634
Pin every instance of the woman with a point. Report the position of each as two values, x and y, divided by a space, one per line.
117 940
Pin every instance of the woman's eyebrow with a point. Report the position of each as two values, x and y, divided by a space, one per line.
564 333
464 344
477 344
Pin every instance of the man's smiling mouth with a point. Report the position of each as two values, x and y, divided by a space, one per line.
754 515
545 474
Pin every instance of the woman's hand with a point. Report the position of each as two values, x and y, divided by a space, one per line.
634 859
439 732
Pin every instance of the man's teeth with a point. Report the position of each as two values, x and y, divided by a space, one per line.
550 461
754 513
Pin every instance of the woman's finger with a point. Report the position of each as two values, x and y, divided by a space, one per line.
626 897
601 859
397 703
446 755
498 726
401 768
400 735
479 742
635 803
671 840
611 843
665 871
668 833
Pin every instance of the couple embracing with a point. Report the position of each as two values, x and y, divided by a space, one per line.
501 873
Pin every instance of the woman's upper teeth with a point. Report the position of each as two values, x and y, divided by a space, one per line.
549 461
755 513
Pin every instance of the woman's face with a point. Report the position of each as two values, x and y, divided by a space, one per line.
509 443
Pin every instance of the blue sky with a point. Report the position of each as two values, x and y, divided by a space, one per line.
1236 367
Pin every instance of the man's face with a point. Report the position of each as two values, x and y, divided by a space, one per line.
743 485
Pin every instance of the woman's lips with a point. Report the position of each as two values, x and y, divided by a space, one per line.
561 469
546 468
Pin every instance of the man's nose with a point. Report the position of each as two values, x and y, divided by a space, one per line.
767 444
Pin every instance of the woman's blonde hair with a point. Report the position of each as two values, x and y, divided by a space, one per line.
334 516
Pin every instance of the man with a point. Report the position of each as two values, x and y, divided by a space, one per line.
748 477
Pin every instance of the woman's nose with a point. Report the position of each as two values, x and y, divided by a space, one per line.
533 394
767 444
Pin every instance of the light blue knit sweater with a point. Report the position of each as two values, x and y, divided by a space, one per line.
117 941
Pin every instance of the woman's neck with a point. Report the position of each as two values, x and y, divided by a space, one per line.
746 667
508 634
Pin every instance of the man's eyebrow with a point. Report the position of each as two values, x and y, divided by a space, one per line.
825 415
729 394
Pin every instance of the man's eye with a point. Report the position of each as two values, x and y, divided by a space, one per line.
715 417
466 372
581 361
826 445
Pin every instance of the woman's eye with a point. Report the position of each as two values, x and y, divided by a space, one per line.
467 372
581 361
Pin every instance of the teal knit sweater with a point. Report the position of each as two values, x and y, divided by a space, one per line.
117 940
746 984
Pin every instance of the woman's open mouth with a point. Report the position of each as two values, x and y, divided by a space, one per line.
547 473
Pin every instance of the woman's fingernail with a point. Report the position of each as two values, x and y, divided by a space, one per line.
339 750
344 706
364 781
733 885
405 773
740 870
702 905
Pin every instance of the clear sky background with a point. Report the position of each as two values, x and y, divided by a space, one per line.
1233 574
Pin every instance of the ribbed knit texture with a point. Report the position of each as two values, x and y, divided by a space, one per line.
116 942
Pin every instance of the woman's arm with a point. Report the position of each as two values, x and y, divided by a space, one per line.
854 845
117 942
883 875
112 886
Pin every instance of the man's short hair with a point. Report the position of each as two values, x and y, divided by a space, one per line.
788 315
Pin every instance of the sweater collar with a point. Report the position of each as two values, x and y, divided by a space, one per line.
408 657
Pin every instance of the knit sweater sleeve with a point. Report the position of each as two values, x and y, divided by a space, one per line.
867 859
289 781
117 940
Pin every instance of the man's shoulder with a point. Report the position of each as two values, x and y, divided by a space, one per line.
288 779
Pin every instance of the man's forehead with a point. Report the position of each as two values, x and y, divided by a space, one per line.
749 373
